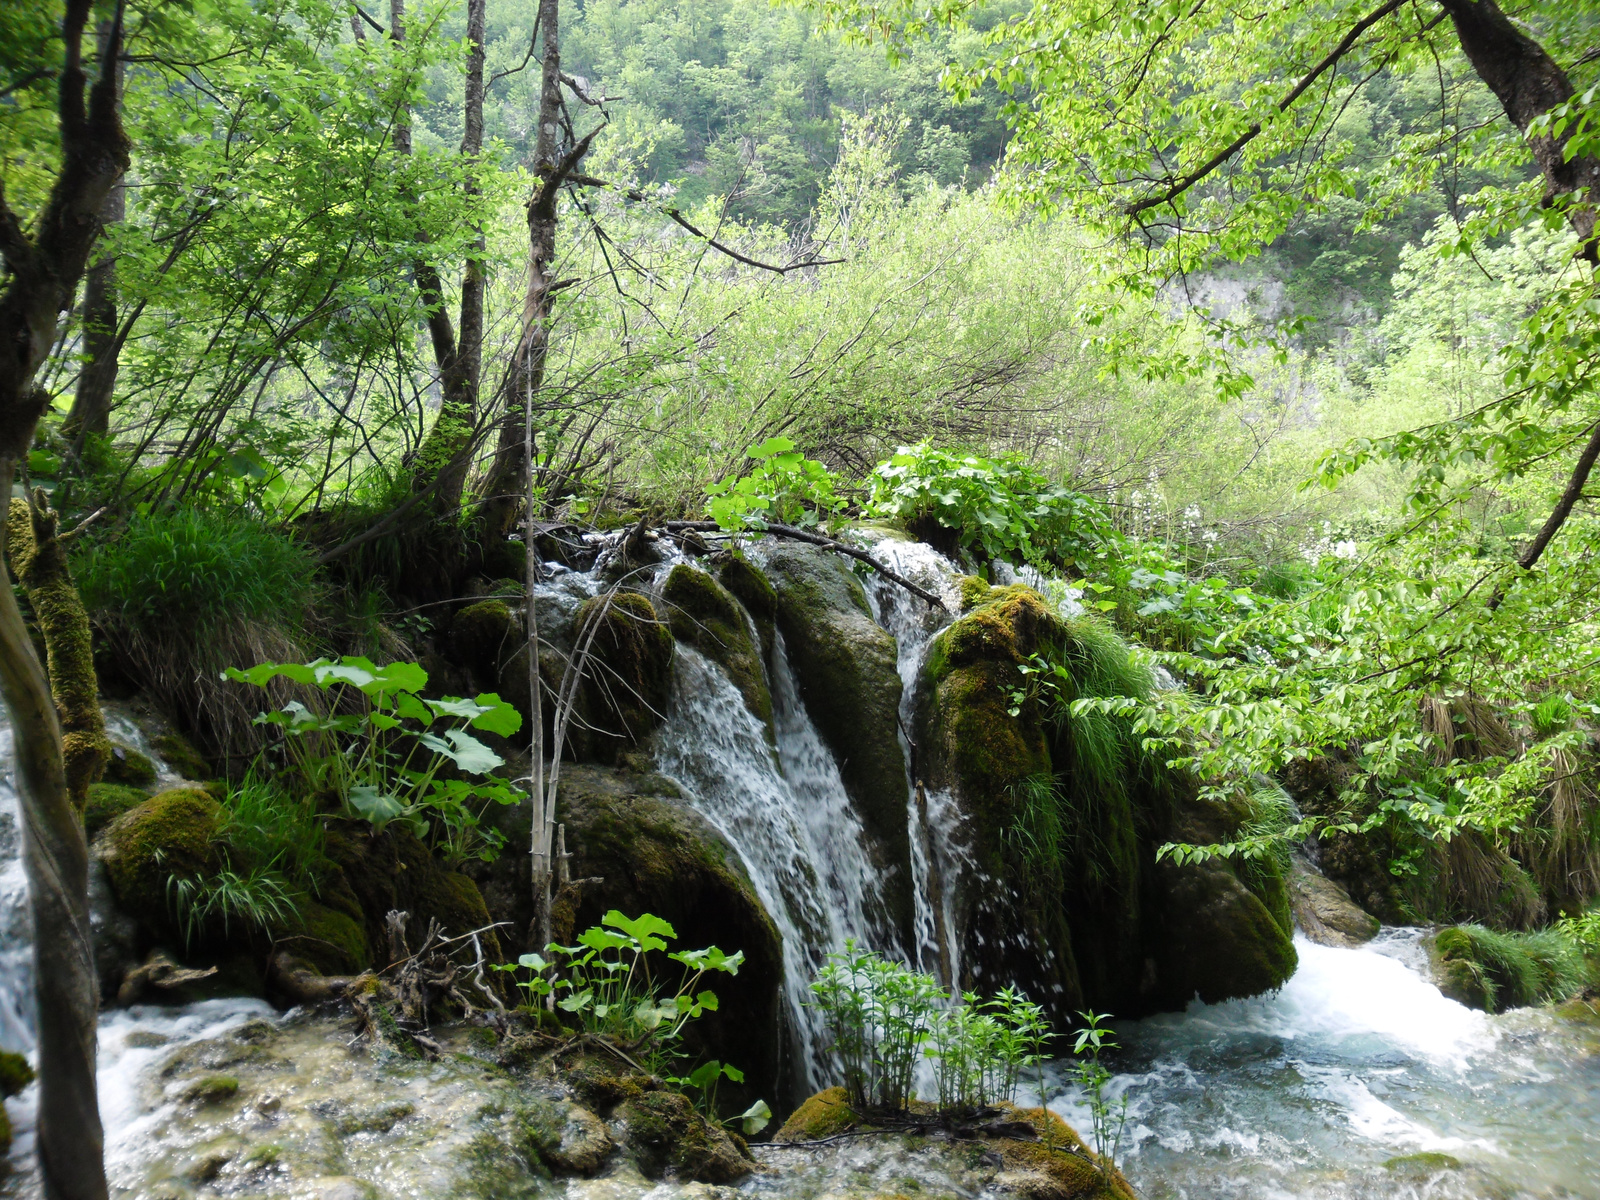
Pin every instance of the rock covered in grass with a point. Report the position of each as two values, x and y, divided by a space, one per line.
128 767
172 835
1068 810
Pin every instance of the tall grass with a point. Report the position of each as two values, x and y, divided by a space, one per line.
1517 969
195 571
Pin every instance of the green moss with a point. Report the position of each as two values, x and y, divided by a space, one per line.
1426 1163
974 591
178 752
331 941
483 634
15 1073
211 1089
107 802
823 1115
752 588
129 768
173 834
705 615
506 559
630 669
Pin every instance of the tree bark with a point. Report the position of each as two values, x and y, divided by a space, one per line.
91 403
44 270
1528 84
442 460
525 378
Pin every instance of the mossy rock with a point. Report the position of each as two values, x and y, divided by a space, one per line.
128 767
391 870
170 836
846 669
751 588
107 802
179 754
483 635
1220 942
507 559
15 1074
822 1115
629 673
665 1133
330 941
705 615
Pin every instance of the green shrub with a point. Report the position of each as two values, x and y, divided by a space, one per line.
1001 508
193 571
266 824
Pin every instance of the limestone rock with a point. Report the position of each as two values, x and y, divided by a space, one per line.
585 1143
705 615
1324 910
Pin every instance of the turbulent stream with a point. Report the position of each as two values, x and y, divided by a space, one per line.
1356 1079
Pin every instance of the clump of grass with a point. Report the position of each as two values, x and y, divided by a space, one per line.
258 898
195 571
264 823
1515 970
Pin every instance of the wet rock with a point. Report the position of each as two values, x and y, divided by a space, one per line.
664 1132
705 615
483 635
172 835
341 1187
128 767
585 1143
210 1089
1324 910
651 853
627 676
381 1119
822 1115
846 670
157 974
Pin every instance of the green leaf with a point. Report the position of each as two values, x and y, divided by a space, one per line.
755 1118
647 928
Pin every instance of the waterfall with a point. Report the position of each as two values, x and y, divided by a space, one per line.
787 815
16 922
937 856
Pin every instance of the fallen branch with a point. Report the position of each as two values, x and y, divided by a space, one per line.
816 539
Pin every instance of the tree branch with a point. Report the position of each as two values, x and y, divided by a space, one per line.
1563 509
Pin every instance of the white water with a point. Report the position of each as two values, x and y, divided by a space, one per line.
786 813
1357 1062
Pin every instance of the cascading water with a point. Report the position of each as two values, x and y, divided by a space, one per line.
937 855
785 812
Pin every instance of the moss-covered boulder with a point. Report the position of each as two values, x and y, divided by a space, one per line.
483 635
328 940
382 871
847 673
628 674
107 802
649 852
704 614
128 767
170 836
179 753
746 584
1066 813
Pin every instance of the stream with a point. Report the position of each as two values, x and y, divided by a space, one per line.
1356 1079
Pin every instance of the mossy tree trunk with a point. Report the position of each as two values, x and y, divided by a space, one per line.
40 563
45 254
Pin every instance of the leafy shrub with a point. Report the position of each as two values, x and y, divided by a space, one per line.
1001 508
608 984
1106 1122
380 748
784 487
193 571
886 1018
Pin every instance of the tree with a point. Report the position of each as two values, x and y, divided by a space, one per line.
44 263
1196 134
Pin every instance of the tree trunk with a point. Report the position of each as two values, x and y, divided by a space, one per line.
40 563
91 403
513 453
442 461
44 269
1528 84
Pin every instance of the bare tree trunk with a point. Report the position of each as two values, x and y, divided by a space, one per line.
442 461
515 449
91 403
44 269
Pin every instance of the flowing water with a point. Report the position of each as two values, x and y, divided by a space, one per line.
1357 1079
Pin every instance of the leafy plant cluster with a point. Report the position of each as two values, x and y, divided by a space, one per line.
612 986
885 1019
1000 508
783 486
387 754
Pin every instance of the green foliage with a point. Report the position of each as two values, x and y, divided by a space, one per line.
1003 508
613 986
265 823
257 898
187 569
1514 970
384 751
1107 1118
885 1018
783 487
